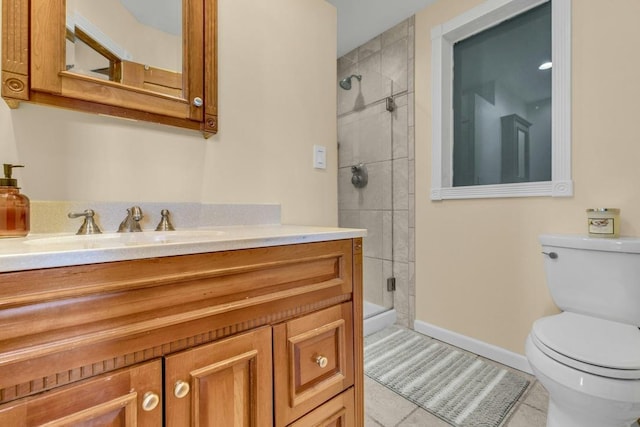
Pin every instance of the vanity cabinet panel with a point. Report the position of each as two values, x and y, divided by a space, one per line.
224 384
313 360
338 412
125 398
260 336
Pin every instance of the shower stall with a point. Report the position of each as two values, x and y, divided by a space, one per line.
375 162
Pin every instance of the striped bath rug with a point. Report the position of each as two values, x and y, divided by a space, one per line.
456 386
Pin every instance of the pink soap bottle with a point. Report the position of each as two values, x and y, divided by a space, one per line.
14 207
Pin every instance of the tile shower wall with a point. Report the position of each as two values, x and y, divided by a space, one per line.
384 142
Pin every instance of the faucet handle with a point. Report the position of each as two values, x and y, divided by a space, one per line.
89 225
165 223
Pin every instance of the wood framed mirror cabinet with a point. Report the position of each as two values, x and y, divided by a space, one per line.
114 57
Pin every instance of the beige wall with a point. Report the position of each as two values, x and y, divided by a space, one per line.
478 264
277 98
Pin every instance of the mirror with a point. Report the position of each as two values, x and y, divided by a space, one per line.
139 59
135 43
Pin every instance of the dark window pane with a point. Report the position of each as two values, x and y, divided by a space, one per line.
502 102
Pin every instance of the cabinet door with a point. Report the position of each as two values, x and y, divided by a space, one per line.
226 383
130 397
313 361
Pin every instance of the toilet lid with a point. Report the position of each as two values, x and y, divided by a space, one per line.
599 346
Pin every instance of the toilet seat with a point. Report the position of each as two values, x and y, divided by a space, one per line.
598 346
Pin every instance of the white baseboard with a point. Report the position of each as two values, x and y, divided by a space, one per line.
378 322
490 351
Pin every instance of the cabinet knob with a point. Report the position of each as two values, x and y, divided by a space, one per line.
197 101
181 389
150 400
322 361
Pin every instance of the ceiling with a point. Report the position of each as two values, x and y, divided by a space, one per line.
361 20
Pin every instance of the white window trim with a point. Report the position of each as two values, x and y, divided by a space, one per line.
475 20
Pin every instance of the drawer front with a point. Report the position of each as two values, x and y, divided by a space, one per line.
338 412
313 360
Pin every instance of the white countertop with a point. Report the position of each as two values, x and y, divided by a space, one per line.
57 250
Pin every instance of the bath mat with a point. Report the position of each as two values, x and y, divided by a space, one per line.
456 386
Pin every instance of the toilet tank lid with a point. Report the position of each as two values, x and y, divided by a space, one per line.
591 340
577 241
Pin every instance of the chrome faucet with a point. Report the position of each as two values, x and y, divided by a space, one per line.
132 222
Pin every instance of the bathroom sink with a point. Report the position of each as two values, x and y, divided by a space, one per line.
108 240
56 240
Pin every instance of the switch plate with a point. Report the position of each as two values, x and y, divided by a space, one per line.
319 157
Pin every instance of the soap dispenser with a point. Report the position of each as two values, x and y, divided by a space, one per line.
14 207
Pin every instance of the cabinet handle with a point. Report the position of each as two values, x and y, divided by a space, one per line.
181 389
197 101
150 400
322 361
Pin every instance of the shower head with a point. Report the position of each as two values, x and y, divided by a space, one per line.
346 82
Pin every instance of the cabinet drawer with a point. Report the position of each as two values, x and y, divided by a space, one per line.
313 360
338 412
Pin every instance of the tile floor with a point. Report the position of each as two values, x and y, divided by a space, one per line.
384 408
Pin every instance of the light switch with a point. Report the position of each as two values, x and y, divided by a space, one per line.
319 157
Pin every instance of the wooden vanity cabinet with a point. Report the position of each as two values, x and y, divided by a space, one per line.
253 337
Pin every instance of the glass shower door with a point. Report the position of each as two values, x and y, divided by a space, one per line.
375 128
365 176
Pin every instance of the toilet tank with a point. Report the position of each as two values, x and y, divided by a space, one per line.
594 276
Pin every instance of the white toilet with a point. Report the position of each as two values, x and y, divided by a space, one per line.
588 356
